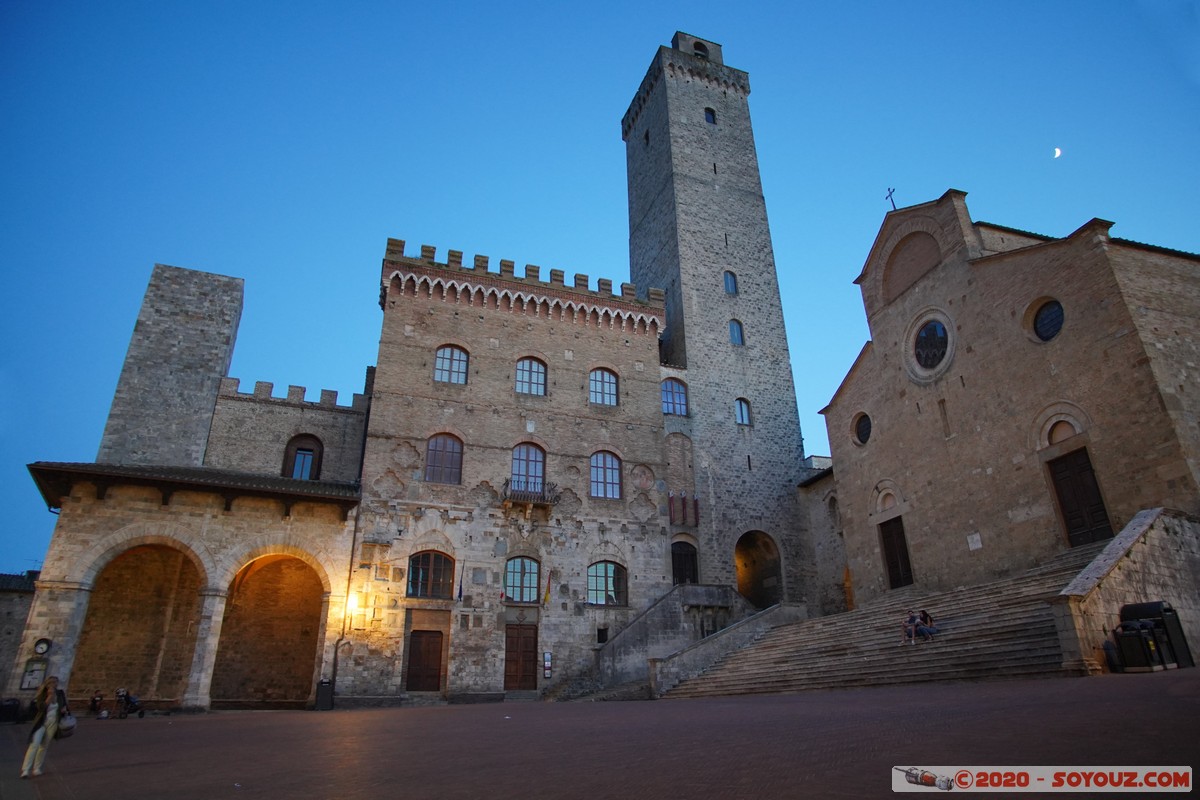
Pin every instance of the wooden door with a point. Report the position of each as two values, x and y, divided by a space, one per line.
520 657
425 661
1079 498
685 566
895 553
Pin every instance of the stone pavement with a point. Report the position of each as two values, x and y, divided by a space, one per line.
827 744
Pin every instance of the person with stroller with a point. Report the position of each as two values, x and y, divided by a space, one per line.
51 704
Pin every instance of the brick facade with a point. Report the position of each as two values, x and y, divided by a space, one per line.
964 453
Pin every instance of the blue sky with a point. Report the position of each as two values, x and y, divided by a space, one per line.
284 142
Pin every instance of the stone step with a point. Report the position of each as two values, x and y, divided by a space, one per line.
1003 629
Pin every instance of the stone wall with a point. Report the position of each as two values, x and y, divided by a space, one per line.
686 614
180 349
824 553
134 592
498 319
16 598
1156 557
666 673
250 430
696 210
1162 291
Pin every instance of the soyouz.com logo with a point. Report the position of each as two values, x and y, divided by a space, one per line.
1042 779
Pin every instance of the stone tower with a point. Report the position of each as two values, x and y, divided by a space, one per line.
698 229
180 349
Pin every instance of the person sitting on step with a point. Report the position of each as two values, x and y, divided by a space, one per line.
908 629
925 627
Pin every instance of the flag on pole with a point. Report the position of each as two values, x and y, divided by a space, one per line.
546 598
460 581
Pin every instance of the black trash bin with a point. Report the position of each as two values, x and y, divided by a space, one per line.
1167 629
324 695
1138 648
10 710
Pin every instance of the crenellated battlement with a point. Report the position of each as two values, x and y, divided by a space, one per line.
674 63
476 284
263 391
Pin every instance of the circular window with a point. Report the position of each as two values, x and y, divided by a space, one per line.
862 429
931 344
1048 320
928 345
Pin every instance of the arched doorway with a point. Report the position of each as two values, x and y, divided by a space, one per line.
758 569
268 650
140 629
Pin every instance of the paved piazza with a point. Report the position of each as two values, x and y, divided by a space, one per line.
830 744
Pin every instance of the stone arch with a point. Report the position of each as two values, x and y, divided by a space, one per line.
92 562
1060 411
887 500
759 569
269 545
874 282
431 539
911 258
608 550
271 633
143 613
833 511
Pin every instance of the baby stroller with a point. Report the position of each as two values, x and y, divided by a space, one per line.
128 704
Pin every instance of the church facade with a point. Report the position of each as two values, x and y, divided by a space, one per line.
533 463
1020 395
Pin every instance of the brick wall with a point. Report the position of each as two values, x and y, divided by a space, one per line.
269 635
963 452
139 632
1162 291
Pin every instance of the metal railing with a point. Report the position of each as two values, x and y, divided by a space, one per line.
525 490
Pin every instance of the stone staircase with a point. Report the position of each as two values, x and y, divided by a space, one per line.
993 631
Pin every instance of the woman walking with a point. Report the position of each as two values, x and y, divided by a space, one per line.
51 703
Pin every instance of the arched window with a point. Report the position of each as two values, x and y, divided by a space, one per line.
521 580
607 584
302 458
674 397
730 283
602 387
741 411
531 376
700 50
431 574
528 468
685 567
443 459
736 335
450 366
606 475
710 116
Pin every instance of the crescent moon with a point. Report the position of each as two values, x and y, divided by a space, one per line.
1057 152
